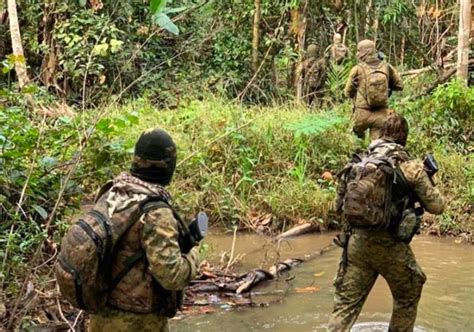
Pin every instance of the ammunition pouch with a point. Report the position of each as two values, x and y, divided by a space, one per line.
410 224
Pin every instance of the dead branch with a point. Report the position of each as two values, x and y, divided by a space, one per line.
442 79
246 282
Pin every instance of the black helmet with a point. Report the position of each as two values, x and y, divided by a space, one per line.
155 157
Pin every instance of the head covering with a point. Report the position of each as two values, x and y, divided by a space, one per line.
365 49
312 51
337 38
155 157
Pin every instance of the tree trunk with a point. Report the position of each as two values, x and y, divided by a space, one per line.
463 39
20 62
298 230
256 35
301 36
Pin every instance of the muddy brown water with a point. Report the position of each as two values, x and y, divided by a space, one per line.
304 303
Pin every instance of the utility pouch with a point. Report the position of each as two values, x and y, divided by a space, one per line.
408 226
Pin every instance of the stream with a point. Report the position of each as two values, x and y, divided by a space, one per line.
303 302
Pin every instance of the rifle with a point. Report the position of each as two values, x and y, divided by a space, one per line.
195 232
430 165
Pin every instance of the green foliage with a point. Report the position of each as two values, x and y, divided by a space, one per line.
89 44
336 80
315 124
157 6
267 166
37 154
447 115
395 12
157 10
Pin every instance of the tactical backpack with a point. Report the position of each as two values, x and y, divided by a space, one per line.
368 193
83 270
375 85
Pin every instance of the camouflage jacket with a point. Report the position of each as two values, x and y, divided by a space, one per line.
154 283
338 52
355 89
413 170
314 73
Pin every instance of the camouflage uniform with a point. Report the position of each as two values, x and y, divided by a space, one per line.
111 320
370 253
152 290
314 76
364 117
337 50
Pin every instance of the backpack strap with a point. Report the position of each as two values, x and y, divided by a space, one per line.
105 188
128 266
145 206
153 203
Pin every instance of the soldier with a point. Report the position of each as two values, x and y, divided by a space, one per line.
338 52
314 75
151 290
370 83
373 250
124 261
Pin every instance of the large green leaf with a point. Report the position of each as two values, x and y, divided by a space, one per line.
156 6
165 22
41 211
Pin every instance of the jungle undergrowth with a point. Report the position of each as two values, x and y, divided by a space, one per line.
256 168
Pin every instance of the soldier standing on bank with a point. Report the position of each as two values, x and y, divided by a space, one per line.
381 196
338 52
369 84
124 262
313 71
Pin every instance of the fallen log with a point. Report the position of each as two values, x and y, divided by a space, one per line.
298 230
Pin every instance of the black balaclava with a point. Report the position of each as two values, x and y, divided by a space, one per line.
155 157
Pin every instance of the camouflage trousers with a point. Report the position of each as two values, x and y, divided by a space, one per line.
111 320
372 120
370 253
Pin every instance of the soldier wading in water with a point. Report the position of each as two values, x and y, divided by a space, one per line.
381 196
127 261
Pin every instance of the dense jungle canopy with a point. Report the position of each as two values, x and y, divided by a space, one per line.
80 79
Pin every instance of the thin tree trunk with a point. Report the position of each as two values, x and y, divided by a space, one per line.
463 39
301 49
256 35
20 62
356 22
368 10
